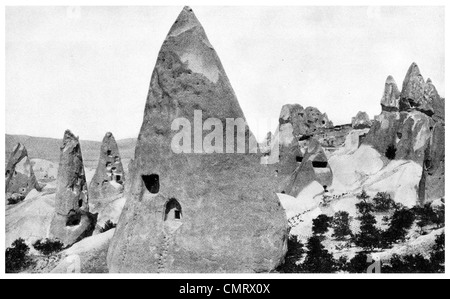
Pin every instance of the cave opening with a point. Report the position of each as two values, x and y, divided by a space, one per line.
151 183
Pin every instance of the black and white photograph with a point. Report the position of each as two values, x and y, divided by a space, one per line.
277 140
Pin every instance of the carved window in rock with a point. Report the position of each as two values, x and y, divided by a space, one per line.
151 183
173 211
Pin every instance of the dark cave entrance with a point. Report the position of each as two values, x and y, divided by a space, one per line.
298 159
319 164
151 183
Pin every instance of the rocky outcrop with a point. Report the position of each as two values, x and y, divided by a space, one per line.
361 121
188 211
391 96
72 220
313 166
20 178
413 90
432 183
108 180
296 123
404 134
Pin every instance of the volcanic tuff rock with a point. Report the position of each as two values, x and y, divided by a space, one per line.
195 212
313 167
19 173
391 96
294 124
408 131
432 183
72 220
361 121
109 176
412 95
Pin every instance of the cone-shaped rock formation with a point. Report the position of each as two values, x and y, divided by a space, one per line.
20 178
109 176
189 210
72 220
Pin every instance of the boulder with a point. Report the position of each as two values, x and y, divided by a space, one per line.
72 220
20 178
108 180
361 121
189 210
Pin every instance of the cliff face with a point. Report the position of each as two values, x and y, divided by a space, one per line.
192 210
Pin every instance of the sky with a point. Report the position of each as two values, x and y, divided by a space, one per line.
88 68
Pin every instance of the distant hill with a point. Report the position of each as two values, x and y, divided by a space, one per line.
48 148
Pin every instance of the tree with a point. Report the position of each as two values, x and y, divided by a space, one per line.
383 202
16 256
401 222
358 264
318 259
369 235
428 215
321 224
108 225
293 255
408 264
341 225
364 206
363 196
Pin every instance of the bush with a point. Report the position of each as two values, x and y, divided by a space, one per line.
428 216
408 264
16 256
15 198
341 225
383 202
48 247
108 225
437 257
390 152
293 255
318 259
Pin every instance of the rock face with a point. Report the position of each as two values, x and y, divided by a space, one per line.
108 180
20 178
72 220
296 123
187 211
313 167
432 183
391 96
414 132
361 121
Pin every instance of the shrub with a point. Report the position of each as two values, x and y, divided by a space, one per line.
16 256
294 254
383 202
437 257
15 198
428 216
408 264
341 225
48 246
108 225
321 224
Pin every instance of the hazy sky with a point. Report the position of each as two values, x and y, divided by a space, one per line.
88 69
